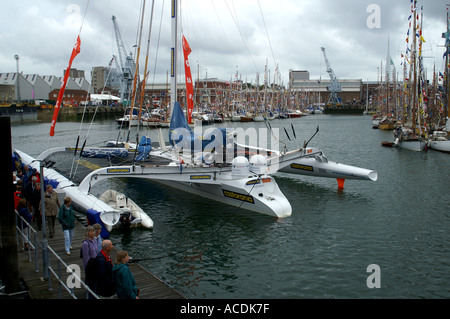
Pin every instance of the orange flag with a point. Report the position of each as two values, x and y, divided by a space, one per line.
75 51
189 86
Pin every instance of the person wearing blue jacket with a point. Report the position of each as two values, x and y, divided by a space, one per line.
123 278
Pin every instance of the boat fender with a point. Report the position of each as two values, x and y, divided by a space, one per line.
396 141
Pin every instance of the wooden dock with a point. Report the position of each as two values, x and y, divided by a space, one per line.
149 285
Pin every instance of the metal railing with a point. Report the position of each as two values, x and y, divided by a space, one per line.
29 236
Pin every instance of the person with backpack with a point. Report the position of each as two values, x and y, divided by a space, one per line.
88 246
89 251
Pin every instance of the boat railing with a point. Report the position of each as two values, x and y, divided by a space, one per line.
28 239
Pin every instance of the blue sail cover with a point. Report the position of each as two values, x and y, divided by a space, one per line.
144 148
181 135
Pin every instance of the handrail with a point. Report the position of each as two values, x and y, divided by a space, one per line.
58 277
56 273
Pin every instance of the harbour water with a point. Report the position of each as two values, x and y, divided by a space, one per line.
206 249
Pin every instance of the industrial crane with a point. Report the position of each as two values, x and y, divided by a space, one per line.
127 65
334 87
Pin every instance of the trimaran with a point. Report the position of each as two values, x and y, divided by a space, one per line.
222 170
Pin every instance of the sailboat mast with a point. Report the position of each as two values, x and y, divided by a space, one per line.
136 71
173 56
413 107
446 71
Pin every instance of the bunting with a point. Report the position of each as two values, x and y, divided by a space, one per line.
75 51
189 86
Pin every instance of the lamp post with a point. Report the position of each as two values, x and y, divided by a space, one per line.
17 79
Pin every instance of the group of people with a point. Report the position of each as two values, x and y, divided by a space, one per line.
104 278
27 201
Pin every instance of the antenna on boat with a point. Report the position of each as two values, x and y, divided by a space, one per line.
306 143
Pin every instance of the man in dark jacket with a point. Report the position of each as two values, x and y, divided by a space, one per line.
105 281
35 200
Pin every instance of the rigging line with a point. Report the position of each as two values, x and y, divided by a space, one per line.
218 19
84 16
267 34
236 22
198 243
144 80
79 132
157 44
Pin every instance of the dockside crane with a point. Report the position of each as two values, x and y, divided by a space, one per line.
334 87
127 65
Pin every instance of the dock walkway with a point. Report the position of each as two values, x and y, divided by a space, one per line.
150 287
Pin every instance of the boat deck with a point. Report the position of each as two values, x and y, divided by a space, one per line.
38 288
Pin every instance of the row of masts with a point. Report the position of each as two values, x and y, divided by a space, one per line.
417 102
237 95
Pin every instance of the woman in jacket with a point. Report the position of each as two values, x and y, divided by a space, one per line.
66 218
125 284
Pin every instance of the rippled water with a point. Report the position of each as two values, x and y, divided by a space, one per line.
206 249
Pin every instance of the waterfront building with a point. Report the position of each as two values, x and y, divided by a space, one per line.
351 89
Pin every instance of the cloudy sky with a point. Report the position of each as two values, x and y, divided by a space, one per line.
226 36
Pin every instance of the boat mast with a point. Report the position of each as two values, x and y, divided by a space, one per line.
173 56
414 88
446 71
136 71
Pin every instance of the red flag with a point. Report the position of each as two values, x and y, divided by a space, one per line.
189 86
75 51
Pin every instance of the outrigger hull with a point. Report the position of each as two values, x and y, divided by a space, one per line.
321 167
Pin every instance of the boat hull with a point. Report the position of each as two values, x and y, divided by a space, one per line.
260 198
321 167
442 146
412 145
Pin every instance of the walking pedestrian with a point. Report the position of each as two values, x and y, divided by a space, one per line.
22 209
123 278
35 200
89 251
89 246
98 237
66 218
52 207
105 283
